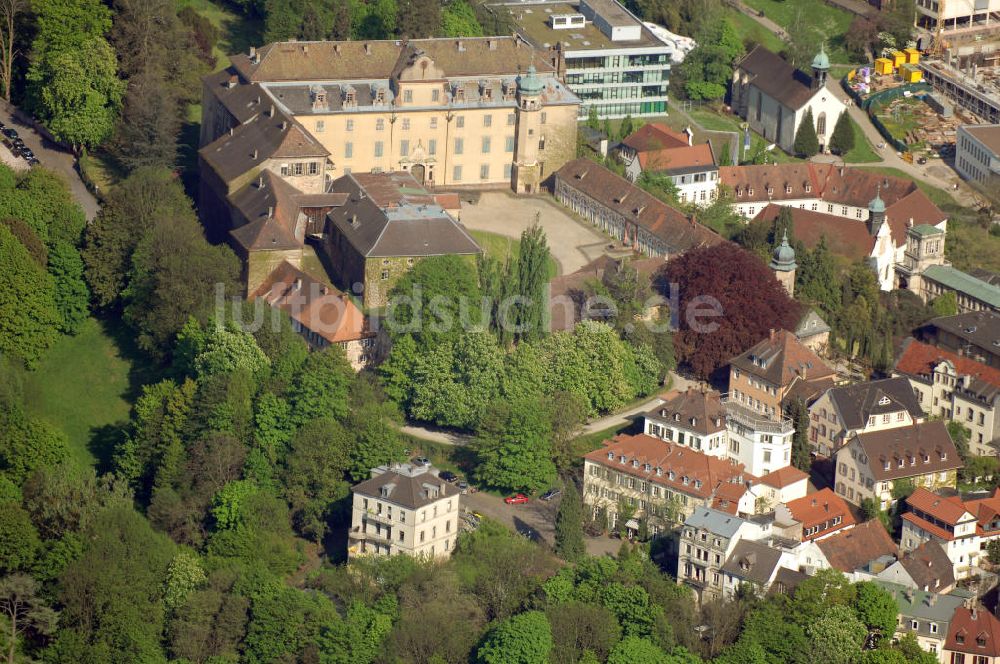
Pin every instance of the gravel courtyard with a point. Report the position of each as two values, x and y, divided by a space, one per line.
572 243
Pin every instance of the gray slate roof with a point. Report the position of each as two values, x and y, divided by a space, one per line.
773 76
856 403
923 604
714 521
752 561
410 491
414 225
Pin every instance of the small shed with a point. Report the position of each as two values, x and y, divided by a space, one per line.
898 58
911 73
884 66
912 56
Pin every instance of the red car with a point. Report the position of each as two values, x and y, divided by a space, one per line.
516 499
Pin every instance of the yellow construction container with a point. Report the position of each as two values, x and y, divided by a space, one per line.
898 58
883 66
911 74
912 56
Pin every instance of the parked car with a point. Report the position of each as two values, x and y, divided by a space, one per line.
27 153
550 494
9 133
463 486
420 461
448 476
516 499
16 151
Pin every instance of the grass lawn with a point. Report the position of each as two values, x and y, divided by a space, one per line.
751 30
831 22
501 246
83 386
863 152
236 33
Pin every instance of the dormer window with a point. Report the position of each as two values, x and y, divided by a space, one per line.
899 463
749 191
486 91
960 638
788 188
611 456
981 641
621 459
770 190
808 187
685 480
884 401
671 475
646 467
659 472
635 463
458 92
927 458
677 417
885 465
350 96
697 484
379 95
739 191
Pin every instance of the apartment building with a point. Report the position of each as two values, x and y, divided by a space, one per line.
957 388
851 409
775 369
860 552
925 615
753 564
662 482
977 155
404 509
708 538
719 427
973 637
926 568
945 520
870 463
606 55
813 517
658 150
975 335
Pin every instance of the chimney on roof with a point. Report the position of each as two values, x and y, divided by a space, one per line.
260 182
492 44
253 52
298 283
975 613
255 153
459 45
909 223
284 125
270 113
270 211
230 131
336 48
305 48
772 334
231 83
368 48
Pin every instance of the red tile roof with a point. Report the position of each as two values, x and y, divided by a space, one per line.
919 359
680 468
853 549
785 360
783 477
727 497
927 526
820 509
974 631
947 509
987 512
854 187
313 304
844 237
655 136
678 158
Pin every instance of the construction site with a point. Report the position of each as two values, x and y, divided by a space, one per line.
962 53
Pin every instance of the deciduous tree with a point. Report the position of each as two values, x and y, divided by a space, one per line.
25 611
512 444
29 319
523 639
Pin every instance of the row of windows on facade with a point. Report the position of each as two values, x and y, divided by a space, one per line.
405 123
486 146
755 382
630 92
623 480
979 154
682 438
970 413
609 61
635 77
813 530
859 213
386 511
401 535
660 509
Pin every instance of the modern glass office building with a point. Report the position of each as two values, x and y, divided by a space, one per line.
607 57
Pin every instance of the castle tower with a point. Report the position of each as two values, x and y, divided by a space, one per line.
820 68
526 173
783 265
876 213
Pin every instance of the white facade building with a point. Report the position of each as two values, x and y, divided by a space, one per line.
977 154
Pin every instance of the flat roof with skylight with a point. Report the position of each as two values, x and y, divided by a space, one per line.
587 25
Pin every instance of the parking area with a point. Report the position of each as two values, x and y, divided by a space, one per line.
536 518
572 243
8 158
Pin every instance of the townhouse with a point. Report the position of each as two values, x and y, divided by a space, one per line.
957 388
973 637
708 539
926 568
860 552
813 517
659 481
658 150
975 335
852 409
871 463
945 520
925 615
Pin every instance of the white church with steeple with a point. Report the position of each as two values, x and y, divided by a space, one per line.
773 96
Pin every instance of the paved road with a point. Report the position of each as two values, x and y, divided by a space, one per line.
55 159
536 519
677 382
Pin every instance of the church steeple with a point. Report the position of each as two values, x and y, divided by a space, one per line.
876 213
820 67
783 264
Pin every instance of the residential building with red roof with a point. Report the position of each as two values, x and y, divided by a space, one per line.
708 422
866 550
319 312
973 637
663 481
871 463
774 369
813 517
987 512
955 387
946 520
781 486
656 148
